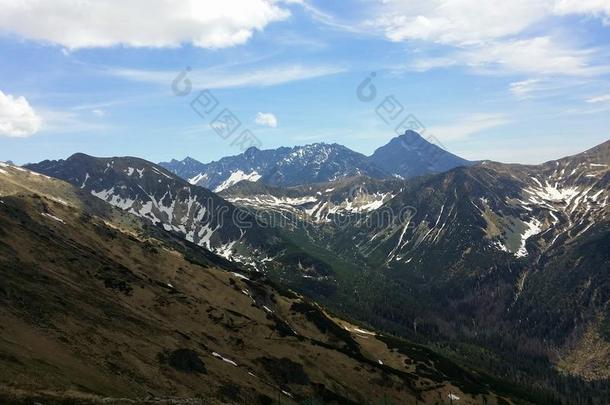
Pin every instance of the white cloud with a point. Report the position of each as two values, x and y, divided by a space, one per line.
140 23
467 22
457 22
596 8
17 118
266 119
599 99
216 79
492 36
98 112
469 125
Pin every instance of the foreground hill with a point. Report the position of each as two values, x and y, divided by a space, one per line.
194 213
97 305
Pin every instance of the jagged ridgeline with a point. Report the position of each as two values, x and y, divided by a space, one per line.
405 156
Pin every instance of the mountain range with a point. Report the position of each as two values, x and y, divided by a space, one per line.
405 156
502 268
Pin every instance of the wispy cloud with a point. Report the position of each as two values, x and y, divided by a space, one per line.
545 87
66 121
539 152
602 109
469 125
330 20
214 79
524 88
599 99
542 55
104 104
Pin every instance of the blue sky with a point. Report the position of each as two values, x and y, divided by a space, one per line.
520 81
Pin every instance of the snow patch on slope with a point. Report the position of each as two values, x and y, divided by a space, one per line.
532 228
53 217
236 177
195 180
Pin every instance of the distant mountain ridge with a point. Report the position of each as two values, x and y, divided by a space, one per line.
405 156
